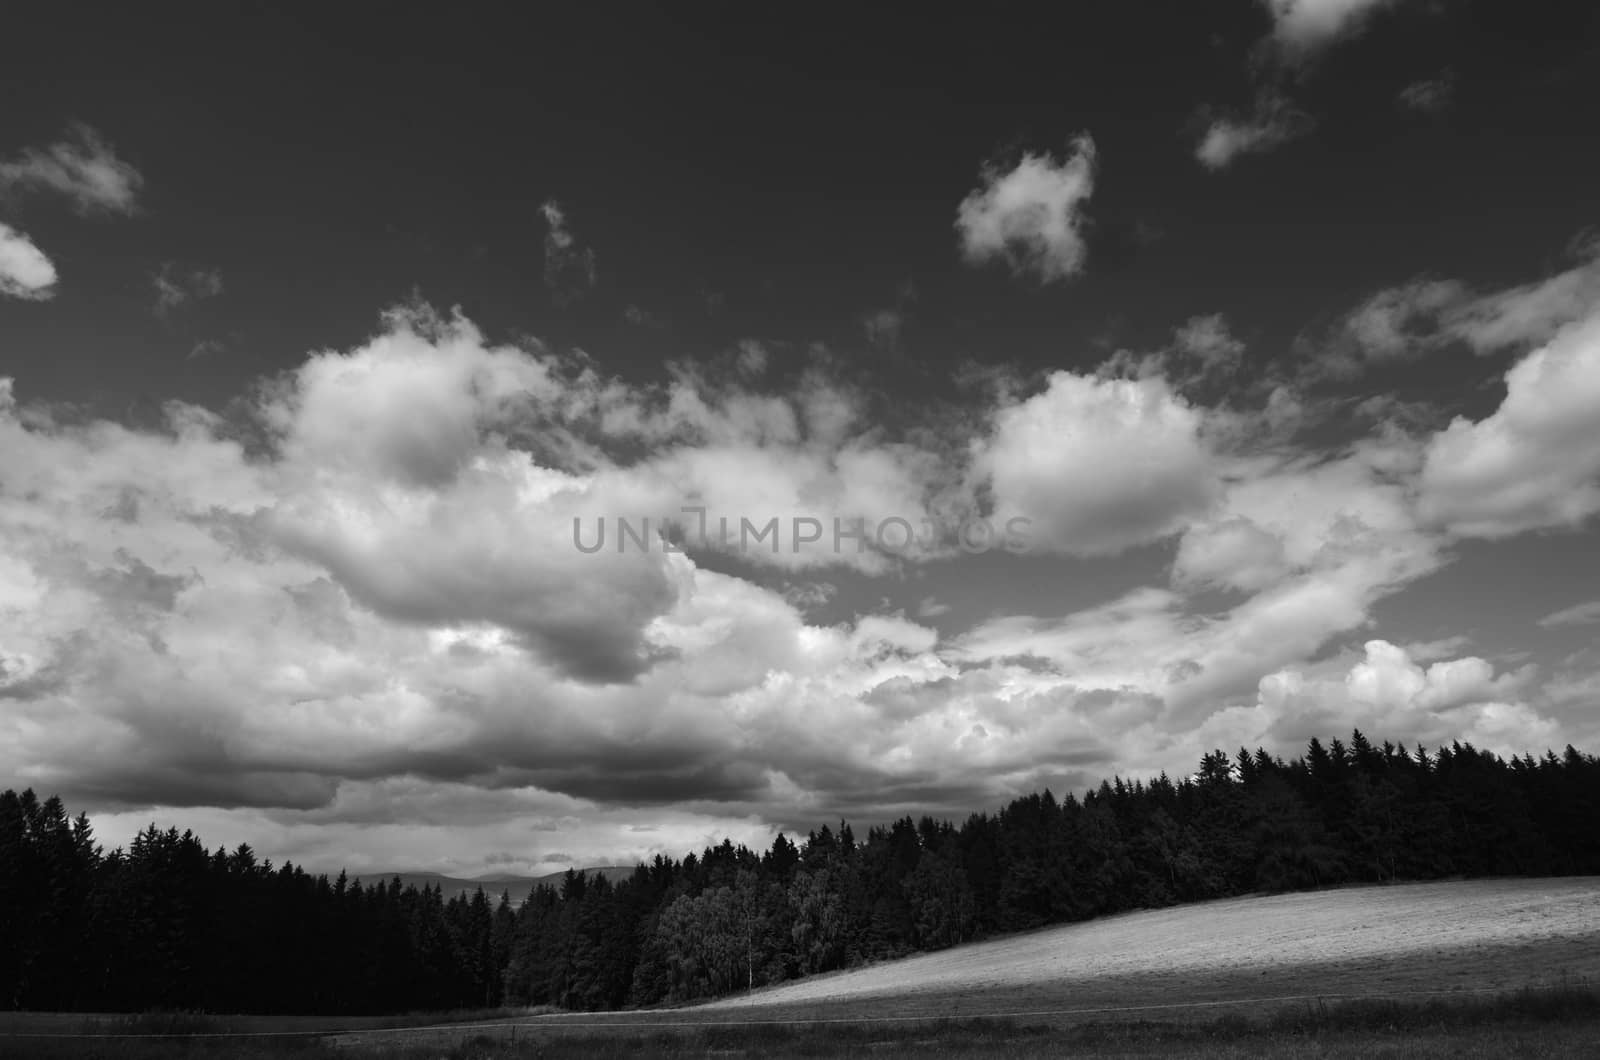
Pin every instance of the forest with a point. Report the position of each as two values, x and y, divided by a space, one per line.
167 924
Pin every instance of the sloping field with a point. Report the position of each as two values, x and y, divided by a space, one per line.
1250 956
1478 934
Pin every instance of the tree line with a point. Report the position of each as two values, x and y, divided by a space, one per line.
167 924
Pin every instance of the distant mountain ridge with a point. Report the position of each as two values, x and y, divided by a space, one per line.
493 884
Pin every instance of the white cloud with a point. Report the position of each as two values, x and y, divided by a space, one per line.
377 611
1385 326
25 271
1530 312
1313 544
1208 340
1233 552
1426 314
1031 216
1534 463
82 167
1298 513
186 625
390 588
1584 614
1317 542
1389 693
1098 465
412 406
1301 28
1272 122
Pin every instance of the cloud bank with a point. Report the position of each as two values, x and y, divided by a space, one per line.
360 589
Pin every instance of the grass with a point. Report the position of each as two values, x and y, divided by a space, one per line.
1547 1022
1496 934
178 1022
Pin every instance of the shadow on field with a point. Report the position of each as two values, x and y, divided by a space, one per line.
1559 1021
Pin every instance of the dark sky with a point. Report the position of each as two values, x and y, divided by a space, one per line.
802 166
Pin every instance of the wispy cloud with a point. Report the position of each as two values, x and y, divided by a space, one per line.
1428 313
1585 614
176 285
885 325
1301 31
1203 351
1272 122
639 316
569 270
1430 95
25 271
82 167
206 348
1031 216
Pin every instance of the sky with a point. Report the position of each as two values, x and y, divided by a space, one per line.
1080 394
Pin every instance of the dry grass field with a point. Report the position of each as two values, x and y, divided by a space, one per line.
1262 976
1245 957
1481 934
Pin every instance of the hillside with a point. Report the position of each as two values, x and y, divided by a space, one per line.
1476 934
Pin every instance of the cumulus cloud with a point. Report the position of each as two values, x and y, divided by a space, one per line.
1390 692
1272 122
81 167
569 270
1289 514
189 625
1534 463
1233 553
1031 216
176 285
374 616
25 271
410 407
1307 544
389 588
1097 465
